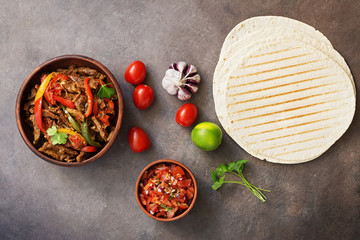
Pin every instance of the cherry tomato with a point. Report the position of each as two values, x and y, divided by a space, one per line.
186 115
138 140
135 73
143 96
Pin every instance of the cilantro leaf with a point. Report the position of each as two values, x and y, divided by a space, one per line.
237 166
56 138
218 183
214 177
221 170
106 92
51 131
171 196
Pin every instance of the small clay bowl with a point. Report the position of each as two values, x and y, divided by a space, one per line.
166 161
34 78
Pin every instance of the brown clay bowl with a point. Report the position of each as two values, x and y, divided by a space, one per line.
166 161
34 78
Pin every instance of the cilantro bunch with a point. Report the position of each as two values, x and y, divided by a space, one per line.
236 169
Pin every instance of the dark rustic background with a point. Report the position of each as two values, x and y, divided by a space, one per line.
315 200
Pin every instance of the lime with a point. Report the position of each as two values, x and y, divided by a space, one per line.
207 136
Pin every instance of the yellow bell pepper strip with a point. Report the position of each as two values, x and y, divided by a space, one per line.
44 84
77 141
70 132
72 120
89 97
38 103
85 133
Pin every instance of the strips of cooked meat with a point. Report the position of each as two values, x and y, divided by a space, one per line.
77 80
87 71
111 133
70 86
93 83
47 113
36 131
81 156
76 113
99 128
58 152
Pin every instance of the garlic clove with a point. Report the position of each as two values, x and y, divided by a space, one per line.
193 88
184 94
193 78
190 70
169 82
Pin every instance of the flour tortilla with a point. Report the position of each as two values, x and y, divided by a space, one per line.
249 32
253 24
276 113
280 34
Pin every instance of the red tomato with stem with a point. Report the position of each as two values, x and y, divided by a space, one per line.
138 140
143 96
186 115
135 73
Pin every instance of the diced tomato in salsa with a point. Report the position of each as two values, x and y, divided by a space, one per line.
166 190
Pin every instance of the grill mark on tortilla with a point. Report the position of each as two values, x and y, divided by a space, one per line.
294 134
277 86
280 94
286 110
296 125
287 144
289 101
277 60
275 78
270 45
279 51
275 69
299 150
289 118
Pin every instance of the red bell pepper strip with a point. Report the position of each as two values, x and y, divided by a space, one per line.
38 103
38 115
52 89
89 149
95 108
65 102
60 76
89 97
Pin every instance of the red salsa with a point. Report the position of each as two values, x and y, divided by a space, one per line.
166 190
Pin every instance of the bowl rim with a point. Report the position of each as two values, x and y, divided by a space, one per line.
166 161
39 68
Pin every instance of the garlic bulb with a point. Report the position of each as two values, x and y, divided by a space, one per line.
181 79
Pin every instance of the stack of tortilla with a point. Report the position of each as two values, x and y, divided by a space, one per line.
281 91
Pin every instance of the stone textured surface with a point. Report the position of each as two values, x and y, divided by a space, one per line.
316 200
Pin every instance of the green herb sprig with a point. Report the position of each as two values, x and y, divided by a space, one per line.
56 138
106 92
235 168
